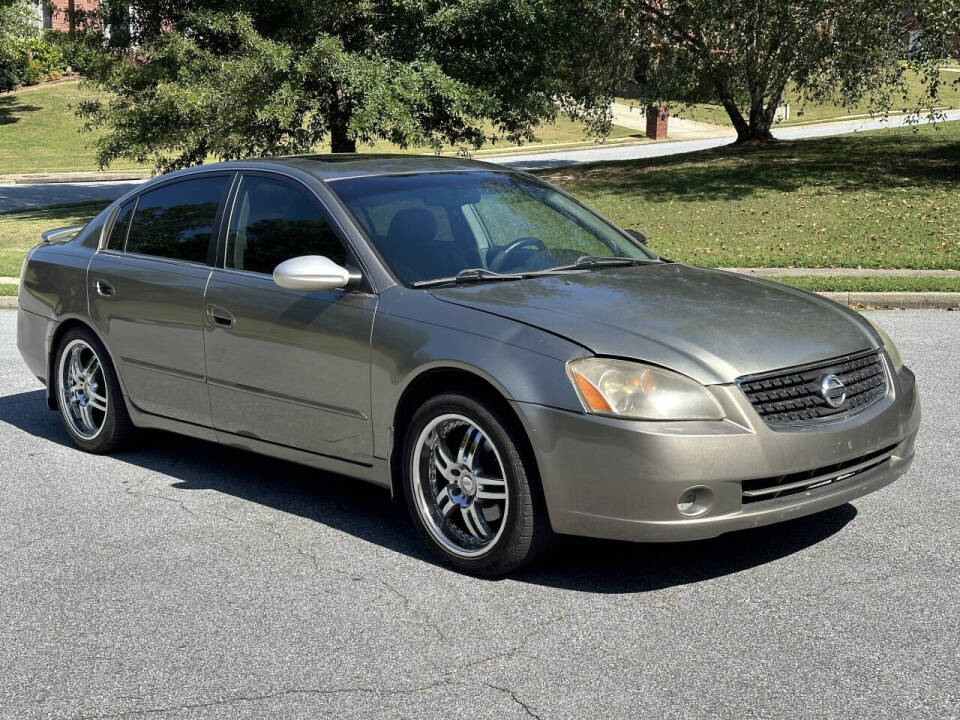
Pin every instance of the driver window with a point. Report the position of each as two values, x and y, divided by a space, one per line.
508 217
274 220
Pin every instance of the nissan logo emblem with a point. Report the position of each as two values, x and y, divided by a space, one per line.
833 391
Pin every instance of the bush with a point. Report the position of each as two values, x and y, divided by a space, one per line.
47 54
17 28
79 50
30 60
14 59
33 74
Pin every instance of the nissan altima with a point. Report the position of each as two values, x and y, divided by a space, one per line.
470 338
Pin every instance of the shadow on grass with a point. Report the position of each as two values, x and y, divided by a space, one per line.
366 512
11 108
891 160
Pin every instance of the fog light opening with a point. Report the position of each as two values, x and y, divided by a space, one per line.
695 501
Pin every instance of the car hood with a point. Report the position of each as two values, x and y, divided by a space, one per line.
711 325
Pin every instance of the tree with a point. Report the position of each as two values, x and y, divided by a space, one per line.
18 24
939 24
235 78
743 55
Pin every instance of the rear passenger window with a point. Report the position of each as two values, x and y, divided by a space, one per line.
178 221
118 235
274 220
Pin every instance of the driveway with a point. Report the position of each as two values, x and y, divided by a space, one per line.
185 580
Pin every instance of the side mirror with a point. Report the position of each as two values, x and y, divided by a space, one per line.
313 272
638 236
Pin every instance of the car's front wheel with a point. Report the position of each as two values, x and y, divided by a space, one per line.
468 488
88 394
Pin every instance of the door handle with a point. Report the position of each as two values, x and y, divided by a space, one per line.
219 316
104 288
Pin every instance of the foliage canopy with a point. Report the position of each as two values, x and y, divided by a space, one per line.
744 55
235 78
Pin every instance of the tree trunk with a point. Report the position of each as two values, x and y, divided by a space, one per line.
756 129
340 141
739 124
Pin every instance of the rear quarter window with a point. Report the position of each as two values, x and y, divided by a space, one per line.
118 234
178 221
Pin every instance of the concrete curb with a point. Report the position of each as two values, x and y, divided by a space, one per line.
72 177
879 300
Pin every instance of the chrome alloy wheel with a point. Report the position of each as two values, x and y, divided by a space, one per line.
460 485
83 389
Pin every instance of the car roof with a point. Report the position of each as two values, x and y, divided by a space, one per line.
338 166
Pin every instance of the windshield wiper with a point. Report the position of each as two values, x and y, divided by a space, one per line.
585 262
470 275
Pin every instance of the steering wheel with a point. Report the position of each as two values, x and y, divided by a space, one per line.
527 241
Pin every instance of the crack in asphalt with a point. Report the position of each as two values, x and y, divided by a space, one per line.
513 696
379 691
135 490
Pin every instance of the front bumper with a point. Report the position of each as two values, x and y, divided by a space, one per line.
621 479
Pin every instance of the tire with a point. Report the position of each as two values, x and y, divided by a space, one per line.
453 482
81 398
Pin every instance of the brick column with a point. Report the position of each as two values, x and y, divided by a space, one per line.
63 12
657 122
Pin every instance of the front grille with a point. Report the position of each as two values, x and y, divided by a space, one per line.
770 488
793 396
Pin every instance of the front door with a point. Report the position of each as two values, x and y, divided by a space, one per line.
286 366
146 294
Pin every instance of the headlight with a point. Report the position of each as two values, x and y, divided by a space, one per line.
633 390
888 346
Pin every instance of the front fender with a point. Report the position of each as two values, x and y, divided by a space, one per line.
414 333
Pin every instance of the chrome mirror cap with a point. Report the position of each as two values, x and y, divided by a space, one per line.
312 272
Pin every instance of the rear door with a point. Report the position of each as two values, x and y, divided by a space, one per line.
289 367
146 293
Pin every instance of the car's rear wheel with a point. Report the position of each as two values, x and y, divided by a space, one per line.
88 394
469 489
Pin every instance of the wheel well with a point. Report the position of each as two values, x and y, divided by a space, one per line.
435 382
61 330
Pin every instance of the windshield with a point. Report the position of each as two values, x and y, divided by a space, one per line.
435 225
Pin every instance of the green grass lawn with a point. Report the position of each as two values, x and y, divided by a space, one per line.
8 290
21 231
872 284
886 199
807 113
39 132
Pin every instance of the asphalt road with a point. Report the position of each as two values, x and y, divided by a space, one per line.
28 197
182 580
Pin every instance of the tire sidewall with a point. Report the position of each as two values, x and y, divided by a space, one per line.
503 552
108 435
